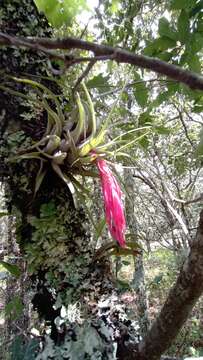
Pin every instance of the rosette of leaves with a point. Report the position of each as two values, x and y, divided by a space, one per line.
70 145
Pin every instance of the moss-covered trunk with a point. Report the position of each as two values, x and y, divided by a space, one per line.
53 234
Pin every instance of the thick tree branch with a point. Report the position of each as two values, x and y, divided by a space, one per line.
103 52
179 303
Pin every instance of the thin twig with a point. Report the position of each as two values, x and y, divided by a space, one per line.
84 74
184 125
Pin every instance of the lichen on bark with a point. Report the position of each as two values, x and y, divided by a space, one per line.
54 237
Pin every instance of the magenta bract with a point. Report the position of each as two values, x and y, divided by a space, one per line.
114 210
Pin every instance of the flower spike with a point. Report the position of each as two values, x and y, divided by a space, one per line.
114 210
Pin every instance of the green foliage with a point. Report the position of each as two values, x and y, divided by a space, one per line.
183 26
99 82
3 213
61 13
59 248
114 6
14 308
140 91
23 350
16 139
182 4
166 30
199 148
49 238
144 104
163 271
11 268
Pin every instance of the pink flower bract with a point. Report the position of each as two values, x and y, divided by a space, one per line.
114 210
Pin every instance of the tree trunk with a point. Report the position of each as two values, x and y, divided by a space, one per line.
180 301
87 320
74 293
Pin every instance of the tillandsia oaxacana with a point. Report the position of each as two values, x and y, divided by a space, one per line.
73 146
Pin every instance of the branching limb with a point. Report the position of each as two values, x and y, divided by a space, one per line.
103 52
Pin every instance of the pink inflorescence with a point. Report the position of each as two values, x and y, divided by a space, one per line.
114 210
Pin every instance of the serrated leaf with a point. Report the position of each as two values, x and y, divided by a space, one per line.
11 268
183 26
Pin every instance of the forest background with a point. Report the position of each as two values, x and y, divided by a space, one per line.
68 291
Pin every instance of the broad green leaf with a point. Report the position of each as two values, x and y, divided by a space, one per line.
172 87
183 26
166 30
165 56
194 63
140 91
99 82
60 13
195 42
158 45
11 268
182 4
14 308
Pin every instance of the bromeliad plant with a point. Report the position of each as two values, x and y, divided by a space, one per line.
73 146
